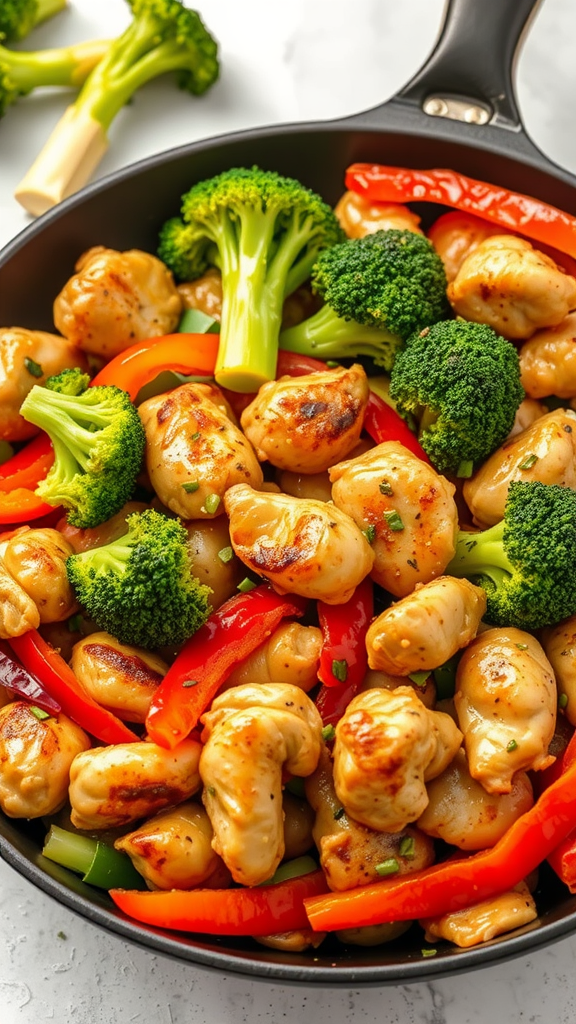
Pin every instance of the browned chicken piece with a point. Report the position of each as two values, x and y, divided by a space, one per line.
28 358
455 235
559 645
306 424
511 286
545 451
425 691
116 785
98 536
426 628
483 921
120 677
35 759
316 485
115 299
213 558
506 705
548 361
302 546
298 825
36 559
18 612
373 934
194 452
388 745
251 734
173 850
463 814
350 853
205 294
293 942
408 507
527 413
359 216
290 655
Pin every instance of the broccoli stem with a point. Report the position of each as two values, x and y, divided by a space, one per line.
326 336
47 9
66 65
481 554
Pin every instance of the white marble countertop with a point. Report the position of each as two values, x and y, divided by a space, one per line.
279 61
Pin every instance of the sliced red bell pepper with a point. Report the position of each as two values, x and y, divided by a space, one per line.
17 679
292 364
190 354
344 660
383 423
512 211
19 477
231 633
43 661
263 910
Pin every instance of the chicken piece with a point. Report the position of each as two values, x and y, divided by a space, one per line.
302 546
463 814
526 414
213 559
506 705
298 825
548 361
511 286
559 645
387 746
36 559
426 628
18 612
250 735
194 452
115 299
349 852
545 451
359 216
455 235
408 507
293 942
116 785
205 294
306 424
28 358
290 655
120 677
305 485
173 850
35 759
483 921
425 691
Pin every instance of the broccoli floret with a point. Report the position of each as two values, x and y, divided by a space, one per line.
164 36
141 587
22 72
526 563
98 441
264 232
377 290
463 380
19 17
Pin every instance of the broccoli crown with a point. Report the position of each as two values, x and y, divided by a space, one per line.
98 441
141 587
17 18
464 380
526 562
394 279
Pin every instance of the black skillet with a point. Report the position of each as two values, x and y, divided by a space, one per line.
459 112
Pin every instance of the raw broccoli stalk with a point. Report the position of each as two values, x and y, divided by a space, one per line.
98 444
525 563
378 290
19 17
264 232
141 587
462 381
164 36
22 72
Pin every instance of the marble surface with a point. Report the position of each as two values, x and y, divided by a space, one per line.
295 60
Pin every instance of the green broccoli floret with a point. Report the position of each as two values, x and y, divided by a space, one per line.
264 232
164 36
141 587
19 17
98 444
22 72
378 290
462 380
526 563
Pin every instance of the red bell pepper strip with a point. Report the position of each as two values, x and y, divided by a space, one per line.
292 364
190 354
231 633
263 910
43 661
344 628
456 884
383 423
512 211
19 477
22 684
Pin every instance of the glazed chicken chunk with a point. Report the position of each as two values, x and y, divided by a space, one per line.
513 287
548 361
485 920
455 235
409 508
116 298
559 645
18 612
359 216
290 655
302 546
194 452
36 559
120 677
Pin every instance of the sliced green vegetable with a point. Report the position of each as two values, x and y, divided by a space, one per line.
99 864
292 869
194 321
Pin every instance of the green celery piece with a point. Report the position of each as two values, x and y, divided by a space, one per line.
99 864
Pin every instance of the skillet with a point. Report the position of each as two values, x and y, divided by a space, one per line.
459 111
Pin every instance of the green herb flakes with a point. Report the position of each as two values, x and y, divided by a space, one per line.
226 555
328 733
34 368
38 713
393 520
211 503
388 867
191 486
407 848
246 586
512 746
340 670
528 461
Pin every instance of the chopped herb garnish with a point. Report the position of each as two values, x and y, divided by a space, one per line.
465 469
394 521
211 503
386 488
563 701
528 461
34 368
522 647
428 952
420 678
511 746
388 867
246 586
211 791
38 713
407 847
370 533
226 555
61 935
191 486
189 682
75 623
340 670
328 732
338 813
196 436
332 364
413 563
